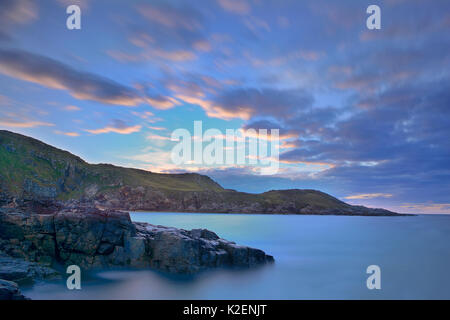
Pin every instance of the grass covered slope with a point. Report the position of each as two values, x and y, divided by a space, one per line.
33 170
29 167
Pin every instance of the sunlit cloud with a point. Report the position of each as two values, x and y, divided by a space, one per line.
18 12
69 134
427 207
24 124
83 4
369 196
157 137
162 102
148 116
202 45
323 165
53 74
217 111
118 126
170 16
175 56
235 6
72 108
157 128
153 54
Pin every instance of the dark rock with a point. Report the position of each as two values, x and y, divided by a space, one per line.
19 270
10 291
94 238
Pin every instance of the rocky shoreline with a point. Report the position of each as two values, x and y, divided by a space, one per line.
31 241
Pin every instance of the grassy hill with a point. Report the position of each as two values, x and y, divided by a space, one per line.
27 164
33 170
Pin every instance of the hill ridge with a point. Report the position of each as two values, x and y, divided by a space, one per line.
31 170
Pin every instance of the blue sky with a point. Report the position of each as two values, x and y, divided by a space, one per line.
363 114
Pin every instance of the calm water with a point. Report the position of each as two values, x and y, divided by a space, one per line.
317 257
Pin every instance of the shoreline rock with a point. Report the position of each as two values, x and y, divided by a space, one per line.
20 270
94 238
9 290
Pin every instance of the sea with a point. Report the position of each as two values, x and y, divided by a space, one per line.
316 257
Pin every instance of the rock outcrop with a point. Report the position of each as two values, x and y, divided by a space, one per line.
20 270
93 238
10 291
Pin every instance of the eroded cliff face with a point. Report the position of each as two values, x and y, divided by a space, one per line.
93 238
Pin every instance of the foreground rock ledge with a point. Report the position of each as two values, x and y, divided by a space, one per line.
9 290
93 238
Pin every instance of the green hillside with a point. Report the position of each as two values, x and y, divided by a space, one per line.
31 170
29 166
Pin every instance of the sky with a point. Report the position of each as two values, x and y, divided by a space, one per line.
363 114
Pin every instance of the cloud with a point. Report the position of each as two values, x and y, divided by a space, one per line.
202 45
53 74
24 124
430 208
170 16
13 12
235 6
248 102
162 102
191 84
72 108
17 114
157 128
169 33
158 137
269 125
216 111
256 25
175 55
83 4
69 134
118 126
245 103
369 196
148 116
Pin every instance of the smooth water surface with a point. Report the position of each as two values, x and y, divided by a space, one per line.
317 257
